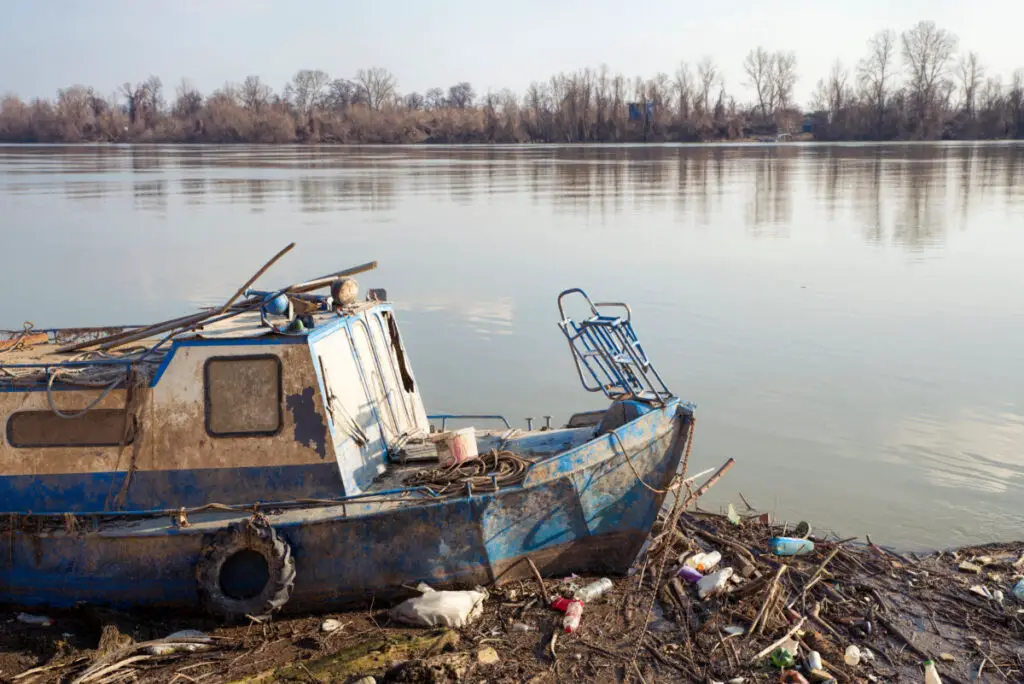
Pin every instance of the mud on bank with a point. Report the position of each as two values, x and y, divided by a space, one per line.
898 609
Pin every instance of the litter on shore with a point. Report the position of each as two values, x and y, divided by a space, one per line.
781 608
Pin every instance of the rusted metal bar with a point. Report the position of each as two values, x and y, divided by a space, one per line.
711 481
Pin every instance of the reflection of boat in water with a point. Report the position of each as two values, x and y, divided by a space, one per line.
243 466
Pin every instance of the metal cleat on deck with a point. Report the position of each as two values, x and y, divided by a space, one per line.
608 355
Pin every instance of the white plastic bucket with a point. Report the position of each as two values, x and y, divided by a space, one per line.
460 445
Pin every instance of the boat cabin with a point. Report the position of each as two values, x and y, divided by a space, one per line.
236 412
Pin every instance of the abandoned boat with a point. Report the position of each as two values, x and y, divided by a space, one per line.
275 453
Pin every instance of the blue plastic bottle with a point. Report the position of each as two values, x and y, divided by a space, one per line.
790 546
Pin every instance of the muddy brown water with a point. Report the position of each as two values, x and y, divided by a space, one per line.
847 318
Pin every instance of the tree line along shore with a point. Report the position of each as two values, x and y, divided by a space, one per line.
914 85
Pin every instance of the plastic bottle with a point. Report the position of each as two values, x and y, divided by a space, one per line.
690 575
1018 590
790 546
931 675
713 583
703 562
573 614
593 590
560 604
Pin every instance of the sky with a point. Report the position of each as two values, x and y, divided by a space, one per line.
50 44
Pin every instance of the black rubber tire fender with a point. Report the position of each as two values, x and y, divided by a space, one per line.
252 535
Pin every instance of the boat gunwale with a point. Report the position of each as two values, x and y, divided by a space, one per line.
427 499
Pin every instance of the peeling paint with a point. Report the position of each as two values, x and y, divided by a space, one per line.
310 428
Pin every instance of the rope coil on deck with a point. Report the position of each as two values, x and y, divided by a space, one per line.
487 472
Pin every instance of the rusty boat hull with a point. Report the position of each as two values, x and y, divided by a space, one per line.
587 508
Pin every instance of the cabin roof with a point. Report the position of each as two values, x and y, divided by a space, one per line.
25 354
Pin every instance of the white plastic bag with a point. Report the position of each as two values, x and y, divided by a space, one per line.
713 583
182 647
440 608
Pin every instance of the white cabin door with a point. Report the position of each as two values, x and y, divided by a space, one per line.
355 426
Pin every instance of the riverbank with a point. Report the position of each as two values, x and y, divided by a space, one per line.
871 614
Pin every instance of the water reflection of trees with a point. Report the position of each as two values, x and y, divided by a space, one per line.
899 194
770 207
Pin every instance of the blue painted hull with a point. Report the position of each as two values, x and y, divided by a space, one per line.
583 510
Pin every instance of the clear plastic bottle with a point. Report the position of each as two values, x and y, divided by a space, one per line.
593 590
931 675
1018 590
573 614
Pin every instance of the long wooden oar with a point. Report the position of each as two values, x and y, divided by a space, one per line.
324 281
255 277
182 321
299 288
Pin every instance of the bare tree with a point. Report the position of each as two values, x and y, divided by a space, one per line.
721 100
461 95
136 101
306 89
154 94
189 101
74 112
342 94
255 94
378 86
783 78
413 101
684 90
875 72
434 99
707 76
927 51
970 73
759 67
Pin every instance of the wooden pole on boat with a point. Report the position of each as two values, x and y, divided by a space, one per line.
148 331
182 320
190 320
324 281
255 277
196 318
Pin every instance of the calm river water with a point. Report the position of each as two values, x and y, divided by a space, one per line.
848 318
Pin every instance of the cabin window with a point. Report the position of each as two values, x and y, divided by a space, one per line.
243 396
97 428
